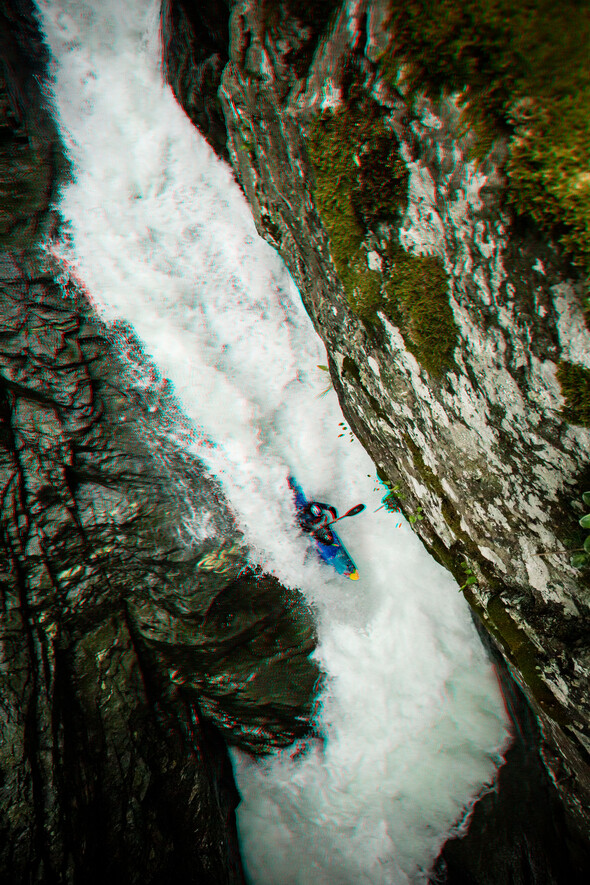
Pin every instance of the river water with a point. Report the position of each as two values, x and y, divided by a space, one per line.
160 235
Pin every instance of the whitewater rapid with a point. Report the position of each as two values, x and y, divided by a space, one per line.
161 237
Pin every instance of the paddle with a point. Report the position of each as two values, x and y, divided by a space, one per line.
352 512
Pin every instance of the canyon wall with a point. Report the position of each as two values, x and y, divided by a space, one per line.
455 326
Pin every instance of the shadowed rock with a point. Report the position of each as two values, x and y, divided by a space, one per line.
130 653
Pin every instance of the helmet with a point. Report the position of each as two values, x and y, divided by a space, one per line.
315 510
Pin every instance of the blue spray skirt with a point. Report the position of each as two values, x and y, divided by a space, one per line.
334 554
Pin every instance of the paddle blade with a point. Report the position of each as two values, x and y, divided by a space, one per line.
352 512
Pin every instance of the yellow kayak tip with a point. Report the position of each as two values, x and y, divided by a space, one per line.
354 576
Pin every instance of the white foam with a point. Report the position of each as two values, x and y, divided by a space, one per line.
162 237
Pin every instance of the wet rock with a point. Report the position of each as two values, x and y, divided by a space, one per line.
100 755
516 832
195 54
133 647
450 328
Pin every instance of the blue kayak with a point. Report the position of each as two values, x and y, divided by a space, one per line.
334 554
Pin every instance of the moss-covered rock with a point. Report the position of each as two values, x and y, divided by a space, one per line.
575 387
418 298
361 182
522 73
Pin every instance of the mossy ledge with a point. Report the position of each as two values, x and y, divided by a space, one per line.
360 192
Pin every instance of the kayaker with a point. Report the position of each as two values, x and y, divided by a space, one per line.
313 519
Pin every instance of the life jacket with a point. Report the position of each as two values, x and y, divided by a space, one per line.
313 519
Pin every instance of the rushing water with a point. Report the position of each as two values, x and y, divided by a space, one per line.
160 235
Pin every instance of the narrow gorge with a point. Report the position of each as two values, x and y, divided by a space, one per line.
424 177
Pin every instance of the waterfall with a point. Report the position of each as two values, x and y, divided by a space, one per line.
160 235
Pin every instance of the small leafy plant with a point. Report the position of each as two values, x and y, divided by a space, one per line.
469 575
416 517
581 557
393 497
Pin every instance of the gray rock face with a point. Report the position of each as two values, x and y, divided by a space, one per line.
130 653
121 642
480 449
196 36
94 743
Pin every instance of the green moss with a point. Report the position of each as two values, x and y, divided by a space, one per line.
361 182
575 387
380 178
418 297
522 70
366 289
335 140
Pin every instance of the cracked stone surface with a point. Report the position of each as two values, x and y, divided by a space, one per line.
485 448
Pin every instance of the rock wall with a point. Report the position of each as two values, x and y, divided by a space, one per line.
455 332
128 656
456 339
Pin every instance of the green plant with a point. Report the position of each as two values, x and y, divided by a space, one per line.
418 516
469 575
392 499
581 557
